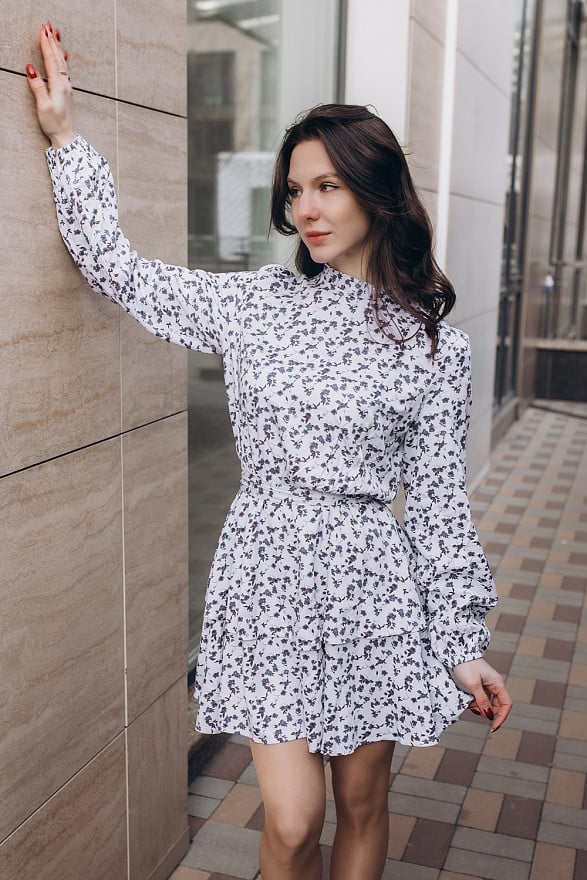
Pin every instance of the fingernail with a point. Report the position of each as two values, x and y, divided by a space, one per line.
31 72
489 714
475 711
57 35
66 55
50 26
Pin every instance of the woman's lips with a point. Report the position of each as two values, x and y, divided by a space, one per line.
316 237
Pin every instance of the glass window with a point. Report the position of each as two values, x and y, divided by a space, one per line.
246 80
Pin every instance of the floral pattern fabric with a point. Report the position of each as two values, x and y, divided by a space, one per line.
325 617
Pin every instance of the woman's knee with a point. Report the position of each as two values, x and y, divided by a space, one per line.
292 834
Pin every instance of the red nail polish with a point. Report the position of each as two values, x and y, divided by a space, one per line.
57 36
66 55
50 26
489 714
474 710
31 72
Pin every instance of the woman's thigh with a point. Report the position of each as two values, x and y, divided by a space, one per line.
293 788
361 781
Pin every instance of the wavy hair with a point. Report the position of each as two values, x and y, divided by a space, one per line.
367 156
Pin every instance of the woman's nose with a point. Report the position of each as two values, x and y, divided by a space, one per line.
307 206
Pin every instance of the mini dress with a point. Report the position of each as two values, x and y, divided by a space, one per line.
326 618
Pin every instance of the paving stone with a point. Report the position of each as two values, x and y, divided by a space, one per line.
536 748
562 835
492 843
239 805
565 815
405 871
519 817
210 787
440 791
201 807
514 769
424 808
549 693
552 861
456 767
509 785
226 849
487 866
580 865
462 743
565 787
481 809
535 667
249 775
400 829
229 762
429 843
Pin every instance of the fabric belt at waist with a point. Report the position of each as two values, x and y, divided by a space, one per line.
304 493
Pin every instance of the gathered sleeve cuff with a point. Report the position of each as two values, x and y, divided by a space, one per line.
450 567
187 307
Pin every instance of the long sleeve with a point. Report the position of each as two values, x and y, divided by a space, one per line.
451 570
183 306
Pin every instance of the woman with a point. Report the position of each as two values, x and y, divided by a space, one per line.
329 628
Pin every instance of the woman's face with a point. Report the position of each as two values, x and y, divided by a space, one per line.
326 214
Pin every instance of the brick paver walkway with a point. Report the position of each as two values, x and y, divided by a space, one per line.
508 806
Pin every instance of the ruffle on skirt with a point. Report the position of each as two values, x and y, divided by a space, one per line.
338 696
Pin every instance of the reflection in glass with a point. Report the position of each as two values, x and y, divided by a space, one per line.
232 127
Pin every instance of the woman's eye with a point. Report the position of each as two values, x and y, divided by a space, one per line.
293 192
327 187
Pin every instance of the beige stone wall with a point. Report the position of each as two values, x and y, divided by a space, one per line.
93 472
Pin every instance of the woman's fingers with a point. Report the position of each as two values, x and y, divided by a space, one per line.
54 100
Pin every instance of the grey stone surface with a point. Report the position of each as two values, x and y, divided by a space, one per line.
452 740
514 769
551 629
562 835
495 844
423 808
249 775
405 871
564 815
539 667
225 849
428 788
201 807
210 787
487 866
508 785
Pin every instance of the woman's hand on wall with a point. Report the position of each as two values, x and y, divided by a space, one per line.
54 99
491 698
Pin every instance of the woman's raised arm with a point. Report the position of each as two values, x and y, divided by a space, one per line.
54 99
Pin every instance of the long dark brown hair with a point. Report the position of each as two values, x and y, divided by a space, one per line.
367 156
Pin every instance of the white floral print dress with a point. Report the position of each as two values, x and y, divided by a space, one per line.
325 618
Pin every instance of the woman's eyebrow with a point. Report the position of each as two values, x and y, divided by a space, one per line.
318 178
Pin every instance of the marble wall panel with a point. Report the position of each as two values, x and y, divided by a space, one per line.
431 14
88 32
486 38
151 53
80 832
481 124
474 256
61 628
157 773
156 558
425 106
152 192
59 344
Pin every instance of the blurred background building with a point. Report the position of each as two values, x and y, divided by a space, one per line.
490 102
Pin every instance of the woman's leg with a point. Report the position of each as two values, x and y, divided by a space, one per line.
293 790
361 782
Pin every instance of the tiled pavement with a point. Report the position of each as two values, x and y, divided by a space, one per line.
507 806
